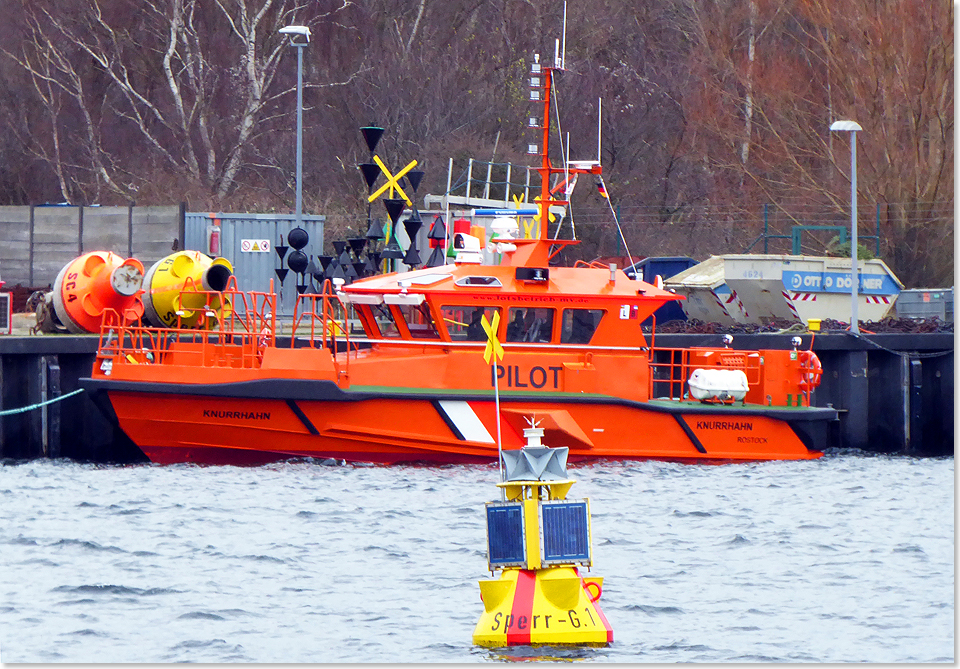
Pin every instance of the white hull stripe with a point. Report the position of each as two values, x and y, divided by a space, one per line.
464 420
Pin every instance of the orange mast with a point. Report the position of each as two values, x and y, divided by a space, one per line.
537 252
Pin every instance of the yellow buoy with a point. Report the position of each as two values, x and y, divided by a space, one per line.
172 286
539 540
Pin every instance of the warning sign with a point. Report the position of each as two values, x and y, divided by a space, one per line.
255 245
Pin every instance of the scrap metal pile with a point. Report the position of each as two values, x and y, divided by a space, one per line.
901 325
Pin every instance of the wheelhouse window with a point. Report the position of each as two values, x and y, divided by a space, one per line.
383 317
579 325
419 321
463 322
530 324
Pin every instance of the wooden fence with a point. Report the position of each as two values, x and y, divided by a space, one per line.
37 241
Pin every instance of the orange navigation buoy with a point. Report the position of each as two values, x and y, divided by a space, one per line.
96 281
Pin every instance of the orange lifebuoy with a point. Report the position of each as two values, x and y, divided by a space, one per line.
810 370
586 586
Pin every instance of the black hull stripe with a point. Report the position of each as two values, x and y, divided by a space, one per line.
307 423
693 438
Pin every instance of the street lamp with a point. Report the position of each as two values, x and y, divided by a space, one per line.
852 127
299 37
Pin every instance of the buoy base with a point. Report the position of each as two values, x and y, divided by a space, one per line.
541 607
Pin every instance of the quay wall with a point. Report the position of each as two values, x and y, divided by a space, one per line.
894 391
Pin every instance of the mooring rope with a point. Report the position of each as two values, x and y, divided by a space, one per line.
903 354
800 328
10 412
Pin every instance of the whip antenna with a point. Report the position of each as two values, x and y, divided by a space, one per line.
563 50
599 125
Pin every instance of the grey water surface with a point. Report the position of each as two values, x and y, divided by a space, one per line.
849 558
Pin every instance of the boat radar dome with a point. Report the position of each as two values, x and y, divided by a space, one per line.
467 248
505 230
505 227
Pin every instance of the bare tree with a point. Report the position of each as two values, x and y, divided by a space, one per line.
163 74
787 69
711 107
892 70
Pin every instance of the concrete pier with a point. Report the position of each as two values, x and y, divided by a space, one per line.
36 369
895 393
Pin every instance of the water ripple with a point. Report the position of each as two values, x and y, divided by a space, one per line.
653 610
306 562
90 545
114 590
85 632
201 615
694 514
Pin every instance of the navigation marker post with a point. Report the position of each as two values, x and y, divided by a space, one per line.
494 351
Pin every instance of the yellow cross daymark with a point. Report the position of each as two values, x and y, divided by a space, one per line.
539 215
392 181
531 228
493 344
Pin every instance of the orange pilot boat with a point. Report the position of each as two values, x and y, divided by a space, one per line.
417 387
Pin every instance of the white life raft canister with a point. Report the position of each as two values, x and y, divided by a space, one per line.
718 384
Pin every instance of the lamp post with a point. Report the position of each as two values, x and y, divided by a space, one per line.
299 37
852 127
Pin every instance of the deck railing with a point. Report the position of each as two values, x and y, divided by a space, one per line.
670 368
326 320
232 330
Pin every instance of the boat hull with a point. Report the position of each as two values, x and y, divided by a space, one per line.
256 422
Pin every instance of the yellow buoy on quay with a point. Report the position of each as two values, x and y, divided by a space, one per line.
171 287
539 540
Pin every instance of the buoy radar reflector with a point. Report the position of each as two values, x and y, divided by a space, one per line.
539 540
173 288
93 283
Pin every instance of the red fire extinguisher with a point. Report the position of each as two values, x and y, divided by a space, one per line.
213 238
